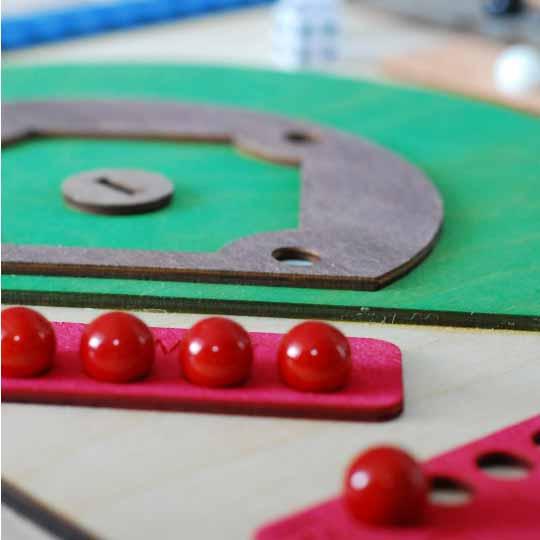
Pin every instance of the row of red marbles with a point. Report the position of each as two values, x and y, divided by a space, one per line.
216 352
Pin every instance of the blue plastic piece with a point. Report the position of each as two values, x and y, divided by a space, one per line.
55 25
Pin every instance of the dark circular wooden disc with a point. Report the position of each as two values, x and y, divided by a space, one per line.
117 191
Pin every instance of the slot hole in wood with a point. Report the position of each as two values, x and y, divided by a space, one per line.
300 137
446 491
503 466
111 184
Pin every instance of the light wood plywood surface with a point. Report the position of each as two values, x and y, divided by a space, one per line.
140 474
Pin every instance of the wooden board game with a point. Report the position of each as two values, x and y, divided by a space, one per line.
481 272
112 473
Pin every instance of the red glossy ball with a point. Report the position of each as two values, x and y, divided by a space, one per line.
386 486
117 347
216 352
28 343
315 357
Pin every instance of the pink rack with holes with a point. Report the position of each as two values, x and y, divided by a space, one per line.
375 391
502 508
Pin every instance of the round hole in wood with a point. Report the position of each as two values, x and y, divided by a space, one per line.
503 465
295 256
299 137
446 491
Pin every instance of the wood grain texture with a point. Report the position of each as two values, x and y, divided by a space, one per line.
463 66
360 204
487 258
139 475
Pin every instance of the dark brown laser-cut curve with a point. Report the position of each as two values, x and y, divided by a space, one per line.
368 215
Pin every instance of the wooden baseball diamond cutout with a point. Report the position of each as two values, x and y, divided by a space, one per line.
475 502
367 216
374 391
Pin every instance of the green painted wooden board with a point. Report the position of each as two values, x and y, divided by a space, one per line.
484 271
218 195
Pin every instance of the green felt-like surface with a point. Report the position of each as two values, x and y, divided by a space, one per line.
217 199
484 160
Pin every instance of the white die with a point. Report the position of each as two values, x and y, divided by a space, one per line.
307 33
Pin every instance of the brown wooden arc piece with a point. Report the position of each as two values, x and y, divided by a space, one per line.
366 216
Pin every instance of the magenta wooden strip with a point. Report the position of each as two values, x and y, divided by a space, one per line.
374 393
502 509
